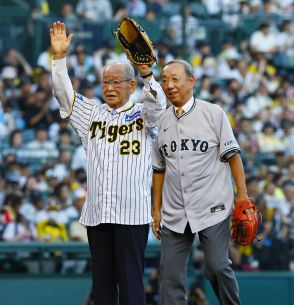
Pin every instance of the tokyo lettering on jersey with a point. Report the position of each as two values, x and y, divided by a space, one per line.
193 150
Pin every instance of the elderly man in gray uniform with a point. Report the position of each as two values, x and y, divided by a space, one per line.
194 157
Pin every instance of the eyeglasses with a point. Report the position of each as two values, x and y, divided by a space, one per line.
115 83
165 81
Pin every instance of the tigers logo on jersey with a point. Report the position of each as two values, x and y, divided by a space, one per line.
113 131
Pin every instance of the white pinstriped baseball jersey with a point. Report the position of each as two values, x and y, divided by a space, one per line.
118 144
193 150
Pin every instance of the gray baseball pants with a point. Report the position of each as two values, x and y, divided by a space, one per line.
175 252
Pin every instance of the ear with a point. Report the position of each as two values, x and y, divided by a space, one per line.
133 85
192 80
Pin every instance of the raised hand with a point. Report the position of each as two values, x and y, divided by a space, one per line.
144 69
59 41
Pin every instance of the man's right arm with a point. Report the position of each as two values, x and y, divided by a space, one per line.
62 87
158 179
61 83
71 105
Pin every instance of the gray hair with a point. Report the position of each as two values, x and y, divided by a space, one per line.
188 68
128 69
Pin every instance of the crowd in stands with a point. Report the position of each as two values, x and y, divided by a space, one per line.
43 165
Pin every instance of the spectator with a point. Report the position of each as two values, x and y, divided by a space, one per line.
16 139
228 69
269 9
230 11
45 58
69 17
61 168
154 6
19 230
79 159
285 42
205 84
104 56
63 198
64 141
137 8
202 60
40 9
288 192
43 81
232 97
42 148
93 10
37 110
268 142
174 30
15 59
76 231
26 91
41 213
247 138
82 63
9 78
264 40
213 7
287 127
51 230
286 6
16 143
244 8
90 91
258 102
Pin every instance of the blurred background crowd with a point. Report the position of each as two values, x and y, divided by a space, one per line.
242 53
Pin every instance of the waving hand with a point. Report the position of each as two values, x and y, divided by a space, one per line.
59 41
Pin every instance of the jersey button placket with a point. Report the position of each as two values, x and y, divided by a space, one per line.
181 162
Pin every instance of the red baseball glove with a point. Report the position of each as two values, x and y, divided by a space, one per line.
243 229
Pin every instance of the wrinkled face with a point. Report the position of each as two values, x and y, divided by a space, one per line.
176 84
116 88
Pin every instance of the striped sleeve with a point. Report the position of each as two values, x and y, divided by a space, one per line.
72 106
62 87
80 116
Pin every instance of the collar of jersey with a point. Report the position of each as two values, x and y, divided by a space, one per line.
187 106
127 106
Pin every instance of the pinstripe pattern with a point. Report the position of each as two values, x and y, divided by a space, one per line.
118 185
118 148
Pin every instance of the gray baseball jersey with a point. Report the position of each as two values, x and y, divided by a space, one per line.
118 145
193 150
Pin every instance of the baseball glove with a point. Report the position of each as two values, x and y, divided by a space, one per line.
243 229
135 42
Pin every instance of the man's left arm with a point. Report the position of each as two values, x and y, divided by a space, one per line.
153 97
238 174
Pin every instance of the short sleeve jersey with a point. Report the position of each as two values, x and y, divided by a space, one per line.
193 151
